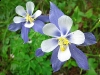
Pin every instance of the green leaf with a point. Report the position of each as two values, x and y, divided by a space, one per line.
70 63
89 13
62 4
74 27
77 15
92 65
2 73
14 66
91 72
32 65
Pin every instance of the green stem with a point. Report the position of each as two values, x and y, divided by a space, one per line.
81 72
95 25
93 55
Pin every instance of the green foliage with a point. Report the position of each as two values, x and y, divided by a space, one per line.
17 58
93 65
71 63
89 13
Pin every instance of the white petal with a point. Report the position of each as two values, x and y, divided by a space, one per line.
65 23
51 30
77 37
49 45
64 55
37 14
18 19
30 7
20 11
29 25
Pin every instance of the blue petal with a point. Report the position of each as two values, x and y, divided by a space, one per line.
43 18
89 39
56 63
79 56
38 25
55 13
24 34
15 26
39 52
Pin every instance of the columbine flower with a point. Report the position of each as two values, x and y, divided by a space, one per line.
63 42
26 20
61 38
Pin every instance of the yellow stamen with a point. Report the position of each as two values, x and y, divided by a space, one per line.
63 42
29 18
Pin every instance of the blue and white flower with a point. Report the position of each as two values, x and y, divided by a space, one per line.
63 42
61 37
27 20
26 16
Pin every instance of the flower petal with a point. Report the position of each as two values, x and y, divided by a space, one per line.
18 19
30 7
64 55
29 25
77 37
15 26
20 11
79 56
55 13
39 52
51 30
44 18
49 45
38 25
89 39
56 63
24 34
54 54
37 14
65 24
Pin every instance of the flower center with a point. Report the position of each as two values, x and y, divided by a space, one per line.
29 18
63 42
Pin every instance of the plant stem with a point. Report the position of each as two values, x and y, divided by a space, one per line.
95 25
93 55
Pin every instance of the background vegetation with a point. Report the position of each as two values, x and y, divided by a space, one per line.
17 58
